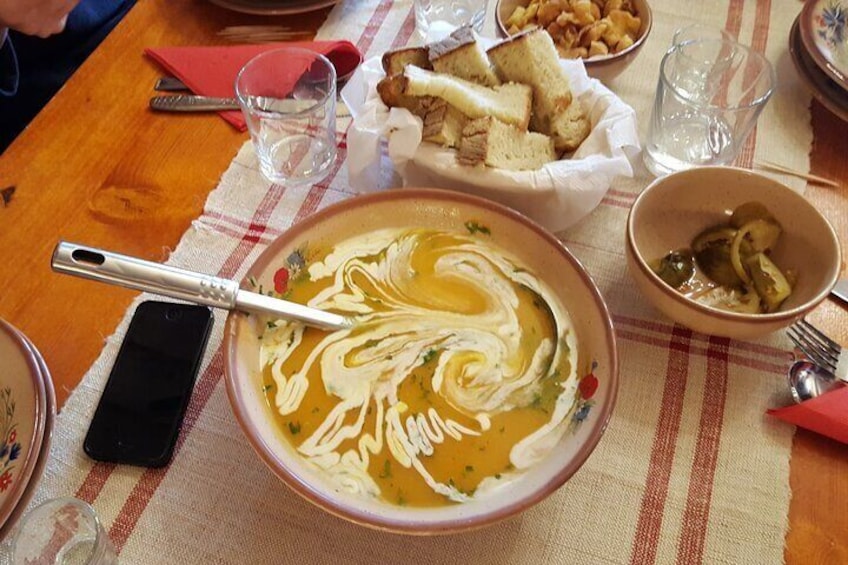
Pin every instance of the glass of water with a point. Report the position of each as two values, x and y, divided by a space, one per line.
709 95
288 98
437 18
62 531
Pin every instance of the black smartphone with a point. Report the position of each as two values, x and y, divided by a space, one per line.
140 412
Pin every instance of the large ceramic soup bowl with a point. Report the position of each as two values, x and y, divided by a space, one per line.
480 374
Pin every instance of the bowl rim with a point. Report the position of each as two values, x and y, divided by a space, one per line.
757 319
415 525
605 60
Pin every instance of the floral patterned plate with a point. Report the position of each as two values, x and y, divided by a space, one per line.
43 453
824 34
823 89
23 419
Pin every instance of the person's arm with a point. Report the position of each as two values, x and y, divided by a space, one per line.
8 65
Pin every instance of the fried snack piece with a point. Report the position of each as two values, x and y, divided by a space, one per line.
580 28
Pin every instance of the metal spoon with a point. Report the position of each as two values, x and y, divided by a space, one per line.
808 380
131 272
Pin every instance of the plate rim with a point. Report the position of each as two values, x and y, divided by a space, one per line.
281 8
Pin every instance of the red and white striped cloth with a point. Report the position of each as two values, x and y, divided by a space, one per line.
690 469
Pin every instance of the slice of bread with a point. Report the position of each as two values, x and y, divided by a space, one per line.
394 61
443 123
570 127
491 142
391 93
510 103
531 58
461 55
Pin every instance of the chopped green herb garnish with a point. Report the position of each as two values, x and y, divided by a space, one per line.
266 388
294 428
429 356
252 281
497 476
469 469
371 343
474 227
272 325
387 470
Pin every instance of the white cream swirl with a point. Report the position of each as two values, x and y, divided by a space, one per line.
460 308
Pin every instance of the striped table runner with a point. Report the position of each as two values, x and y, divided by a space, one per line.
690 469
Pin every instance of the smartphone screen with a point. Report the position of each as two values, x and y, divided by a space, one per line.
138 418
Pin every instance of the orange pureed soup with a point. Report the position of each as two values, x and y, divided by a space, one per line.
458 376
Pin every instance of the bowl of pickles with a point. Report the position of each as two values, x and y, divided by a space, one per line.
730 252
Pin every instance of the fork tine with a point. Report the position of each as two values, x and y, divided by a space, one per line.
823 339
809 350
812 347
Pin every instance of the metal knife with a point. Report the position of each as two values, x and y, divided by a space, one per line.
840 291
197 103
192 103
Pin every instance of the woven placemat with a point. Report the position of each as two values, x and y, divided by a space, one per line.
690 470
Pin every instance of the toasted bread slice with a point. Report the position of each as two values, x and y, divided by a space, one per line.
394 61
570 127
443 123
531 58
510 103
496 144
391 93
461 55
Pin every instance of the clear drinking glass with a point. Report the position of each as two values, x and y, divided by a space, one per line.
288 98
62 531
695 32
709 95
442 16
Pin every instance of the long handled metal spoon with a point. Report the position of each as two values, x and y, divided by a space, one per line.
808 380
138 274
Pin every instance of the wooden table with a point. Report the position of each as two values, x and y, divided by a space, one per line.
98 168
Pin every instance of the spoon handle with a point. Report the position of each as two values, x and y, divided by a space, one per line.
198 288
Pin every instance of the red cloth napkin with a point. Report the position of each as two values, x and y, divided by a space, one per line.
211 71
826 414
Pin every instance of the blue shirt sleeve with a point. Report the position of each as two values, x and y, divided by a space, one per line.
9 75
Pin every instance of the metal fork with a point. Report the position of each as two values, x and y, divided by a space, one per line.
814 344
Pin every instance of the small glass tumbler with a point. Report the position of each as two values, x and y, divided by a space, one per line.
440 17
288 98
694 32
62 531
709 95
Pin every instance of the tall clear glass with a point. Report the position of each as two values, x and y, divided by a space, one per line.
288 98
709 95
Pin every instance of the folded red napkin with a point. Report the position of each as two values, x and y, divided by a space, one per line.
211 71
826 414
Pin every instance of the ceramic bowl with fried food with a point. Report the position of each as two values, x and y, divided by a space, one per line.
607 43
